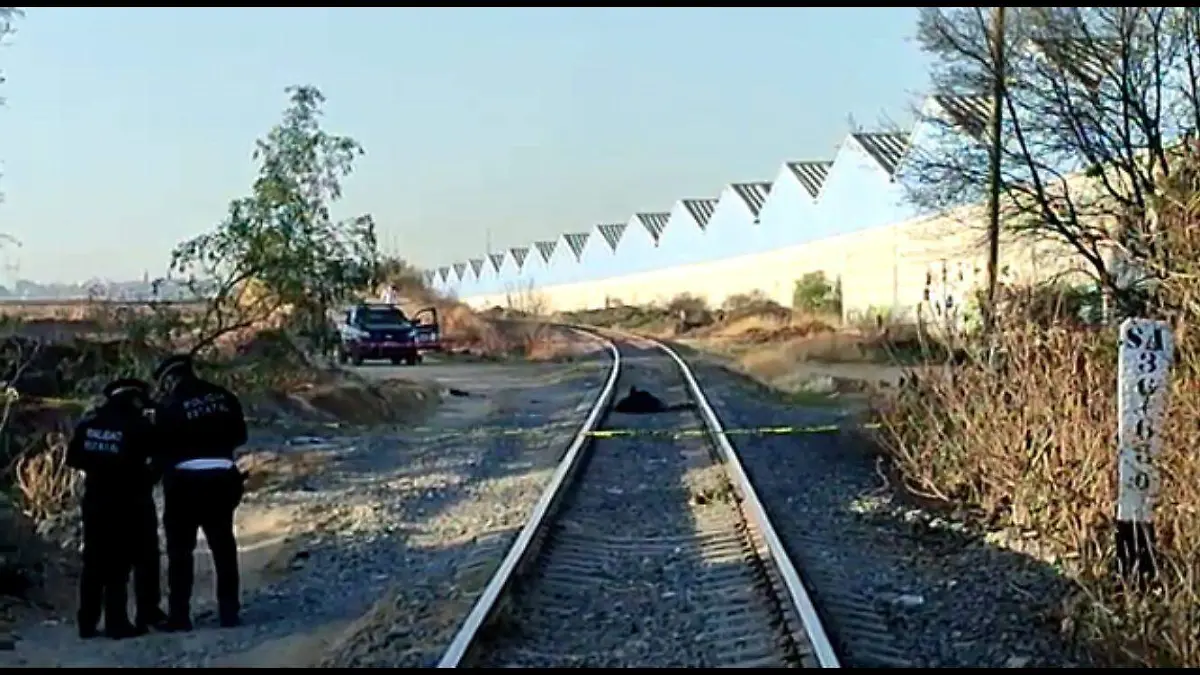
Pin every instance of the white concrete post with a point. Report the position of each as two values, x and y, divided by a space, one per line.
1147 350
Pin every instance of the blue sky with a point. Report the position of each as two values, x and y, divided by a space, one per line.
127 130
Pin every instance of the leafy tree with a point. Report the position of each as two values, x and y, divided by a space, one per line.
1095 101
814 293
399 273
279 248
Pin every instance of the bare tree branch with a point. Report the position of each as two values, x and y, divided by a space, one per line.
1096 98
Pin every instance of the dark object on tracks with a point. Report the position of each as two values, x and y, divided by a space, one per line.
382 331
641 402
661 581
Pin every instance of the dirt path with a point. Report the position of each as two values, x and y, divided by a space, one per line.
412 516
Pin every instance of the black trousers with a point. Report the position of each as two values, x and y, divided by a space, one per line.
201 500
147 567
107 561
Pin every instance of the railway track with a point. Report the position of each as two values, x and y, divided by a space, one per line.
645 551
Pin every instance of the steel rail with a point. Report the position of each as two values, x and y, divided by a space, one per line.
811 622
500 580
821 644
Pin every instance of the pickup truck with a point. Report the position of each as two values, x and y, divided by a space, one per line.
382 331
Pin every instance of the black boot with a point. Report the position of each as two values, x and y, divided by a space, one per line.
153 618
178 624
120 631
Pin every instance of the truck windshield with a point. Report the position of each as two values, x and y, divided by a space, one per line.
382 316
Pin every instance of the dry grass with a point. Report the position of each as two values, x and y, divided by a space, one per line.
549 343
70 318
43 485
758 329
647 320
463 329
48 487
74 310
498 333
485 335
769 325
776 363
1031 446
808 356
776 339
532 339
1037 456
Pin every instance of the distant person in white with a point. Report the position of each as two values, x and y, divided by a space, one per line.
389 294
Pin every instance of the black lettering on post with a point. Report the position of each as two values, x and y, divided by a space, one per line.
1146 388
1143 430
1156 340
1133 337
1147 363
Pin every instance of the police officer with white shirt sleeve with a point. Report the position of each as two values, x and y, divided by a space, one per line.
200 425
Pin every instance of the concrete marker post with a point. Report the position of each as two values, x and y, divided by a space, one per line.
1146 354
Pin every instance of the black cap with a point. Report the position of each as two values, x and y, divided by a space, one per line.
177 362
124 385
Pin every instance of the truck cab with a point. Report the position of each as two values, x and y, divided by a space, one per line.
382 331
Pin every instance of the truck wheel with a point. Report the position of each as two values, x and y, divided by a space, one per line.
356 359
396 360
412 359
342 358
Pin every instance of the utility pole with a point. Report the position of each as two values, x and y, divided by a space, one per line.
995 143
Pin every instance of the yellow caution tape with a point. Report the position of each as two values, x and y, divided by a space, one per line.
629 433
757 431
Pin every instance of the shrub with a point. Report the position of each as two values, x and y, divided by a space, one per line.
741 302
1005 442
1028 441
687 303
48 487
814 293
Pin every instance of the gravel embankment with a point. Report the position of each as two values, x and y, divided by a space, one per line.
412 519
943 597
459 540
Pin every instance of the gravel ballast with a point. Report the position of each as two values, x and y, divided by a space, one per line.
946 598
645 564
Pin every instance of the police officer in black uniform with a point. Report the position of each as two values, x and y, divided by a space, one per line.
200 425
147 567
112 445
